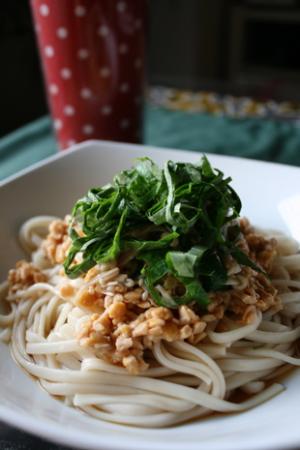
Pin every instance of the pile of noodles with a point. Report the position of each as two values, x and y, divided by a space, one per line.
187 381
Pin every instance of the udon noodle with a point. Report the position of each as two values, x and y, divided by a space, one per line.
178 380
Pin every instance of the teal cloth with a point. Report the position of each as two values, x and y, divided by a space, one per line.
264 139
26 146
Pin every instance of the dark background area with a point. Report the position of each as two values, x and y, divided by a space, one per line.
21 87
228 46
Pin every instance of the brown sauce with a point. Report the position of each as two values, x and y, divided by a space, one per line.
239 396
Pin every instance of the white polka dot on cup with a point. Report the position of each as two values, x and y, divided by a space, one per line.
104 72
62 33
58 124
71 142
124 88
66 73
138 63
44 10
87 129
49 51
82 53
53 89
123 49
138 23
103 31
85 93
69 110
124 124
106 110
80 11
121 7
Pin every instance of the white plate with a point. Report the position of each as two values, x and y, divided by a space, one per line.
271 198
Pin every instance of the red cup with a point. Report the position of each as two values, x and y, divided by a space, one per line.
92 53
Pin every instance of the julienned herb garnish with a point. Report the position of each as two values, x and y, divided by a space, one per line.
175 227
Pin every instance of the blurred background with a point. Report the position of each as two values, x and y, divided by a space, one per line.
222 76
237 47
242 48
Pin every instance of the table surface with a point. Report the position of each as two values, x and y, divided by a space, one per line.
264 139
12 439
254 138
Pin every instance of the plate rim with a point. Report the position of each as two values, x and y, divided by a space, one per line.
125 145
55 432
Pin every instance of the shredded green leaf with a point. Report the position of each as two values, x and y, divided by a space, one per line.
176 226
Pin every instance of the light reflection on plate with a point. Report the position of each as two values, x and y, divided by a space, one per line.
289 209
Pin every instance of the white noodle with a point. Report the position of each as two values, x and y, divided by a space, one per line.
187 381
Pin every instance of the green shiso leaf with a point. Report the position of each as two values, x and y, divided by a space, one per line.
183 264
176 223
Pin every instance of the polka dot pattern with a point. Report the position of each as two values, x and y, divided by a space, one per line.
49 51
103 31
121 7
104 72
44 10
79 11
66 73
106 110
138 24
62 33
123 49
53 89
71 142
124 123
69 110
93 65
83 53
58 124
124 87
86 93
87 129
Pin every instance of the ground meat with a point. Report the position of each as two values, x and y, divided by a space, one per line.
57 243
123 322
128 323
261 250
24 275
257 292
